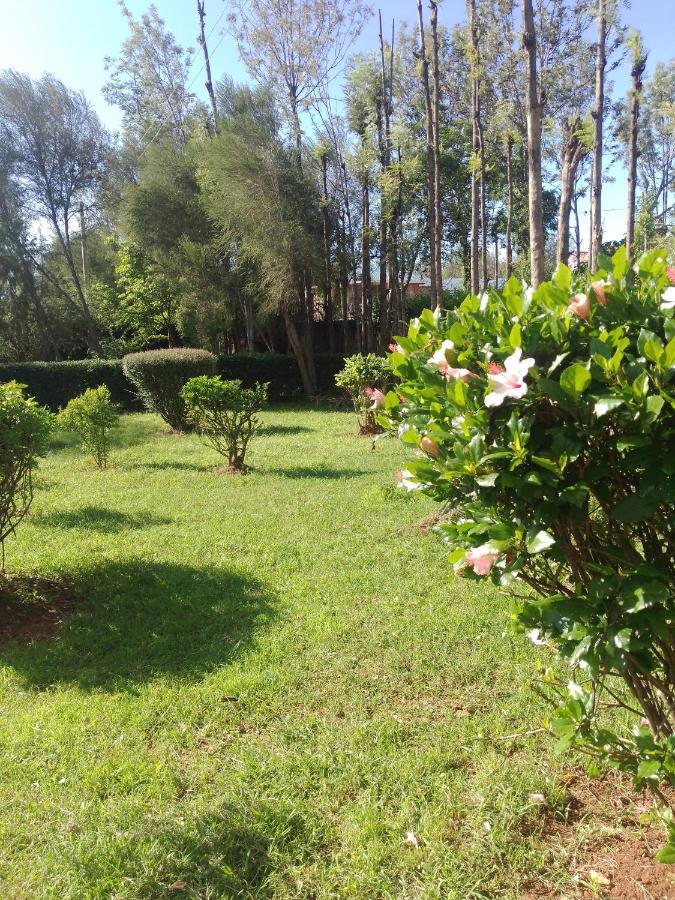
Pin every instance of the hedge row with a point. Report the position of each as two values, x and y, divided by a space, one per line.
53 384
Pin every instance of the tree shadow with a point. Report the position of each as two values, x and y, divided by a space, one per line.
98 518
320 471
228 854
138 620
283 429
165 464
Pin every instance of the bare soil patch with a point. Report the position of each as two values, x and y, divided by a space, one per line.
32 608
614 859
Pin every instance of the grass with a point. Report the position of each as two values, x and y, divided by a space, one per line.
269 680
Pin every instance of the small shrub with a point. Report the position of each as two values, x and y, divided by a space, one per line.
224 412
159 375
24 432
365 379
546 421
92 416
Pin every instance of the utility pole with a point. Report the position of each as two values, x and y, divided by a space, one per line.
207 63
83 245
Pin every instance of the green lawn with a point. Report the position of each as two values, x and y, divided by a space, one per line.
269 680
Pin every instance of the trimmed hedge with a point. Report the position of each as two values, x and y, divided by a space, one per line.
281 371
54 384
159 375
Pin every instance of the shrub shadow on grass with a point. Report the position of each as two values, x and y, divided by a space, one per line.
320 471
166 464
140 620
98 518
272 430
232 853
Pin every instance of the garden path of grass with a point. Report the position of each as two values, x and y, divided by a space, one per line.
268 682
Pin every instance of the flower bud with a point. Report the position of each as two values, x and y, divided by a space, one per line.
430 447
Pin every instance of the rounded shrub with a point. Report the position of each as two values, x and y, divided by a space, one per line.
159 375
92 416
224 412
24 433
545 421
364 379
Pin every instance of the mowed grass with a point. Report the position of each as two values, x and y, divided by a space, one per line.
269 681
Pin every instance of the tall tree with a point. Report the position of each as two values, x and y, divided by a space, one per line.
534 107
598 111
436 105
149 81
431 139
295 46
201 12
575 147
638 64
56 149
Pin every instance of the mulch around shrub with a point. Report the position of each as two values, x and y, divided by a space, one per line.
32 608
615 859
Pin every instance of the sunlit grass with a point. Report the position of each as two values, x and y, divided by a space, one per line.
268 682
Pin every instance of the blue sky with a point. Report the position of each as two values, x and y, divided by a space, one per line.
70 38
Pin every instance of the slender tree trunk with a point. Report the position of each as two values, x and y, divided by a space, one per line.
572 154
436 102
207 64
304 358
496 238
483 204
475 146
637 72
577 227
596 189
328 271
534 108
66 246
250 323
366 288
387 204
431 191
509 207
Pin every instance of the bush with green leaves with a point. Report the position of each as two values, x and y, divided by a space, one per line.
159 375
365 379
92 416
224 412
545 422
25 428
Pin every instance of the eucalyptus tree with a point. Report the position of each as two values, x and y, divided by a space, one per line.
55 150
260 200
149 81
295 47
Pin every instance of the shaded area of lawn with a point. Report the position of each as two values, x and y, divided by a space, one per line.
138 619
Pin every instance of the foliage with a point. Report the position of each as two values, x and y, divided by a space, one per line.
224 412
54 384
546 423
24 431
92 416
364 378
280 370
159 375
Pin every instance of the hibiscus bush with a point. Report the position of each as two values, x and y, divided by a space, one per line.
545 422
364 379
224 412
92 416
25 428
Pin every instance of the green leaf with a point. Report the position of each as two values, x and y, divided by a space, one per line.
620 262
537 541
515 337
563 277
634 508
605 404
575 379
666 854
